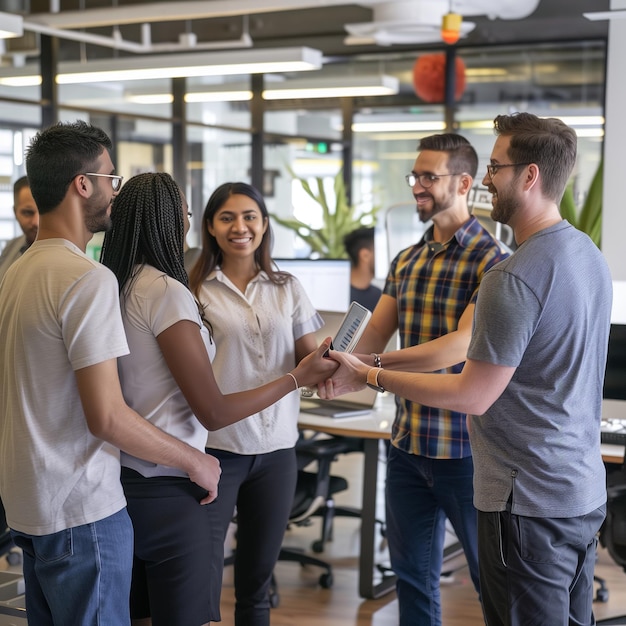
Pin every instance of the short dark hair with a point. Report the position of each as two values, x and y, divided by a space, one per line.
147 226
462 157
57 155
356 240
18 185
547 142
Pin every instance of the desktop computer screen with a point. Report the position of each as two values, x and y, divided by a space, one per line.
615 378
326 281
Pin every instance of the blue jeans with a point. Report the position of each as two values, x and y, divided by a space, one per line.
79 576
420 494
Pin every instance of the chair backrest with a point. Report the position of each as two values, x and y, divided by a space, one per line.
613 531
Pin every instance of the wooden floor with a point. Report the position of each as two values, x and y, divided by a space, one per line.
304 603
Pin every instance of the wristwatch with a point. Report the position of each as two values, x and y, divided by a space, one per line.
372 379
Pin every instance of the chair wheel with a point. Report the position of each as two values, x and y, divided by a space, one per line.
317 546
274 599
326 580
602 595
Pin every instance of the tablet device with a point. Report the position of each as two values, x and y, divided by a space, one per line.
352 326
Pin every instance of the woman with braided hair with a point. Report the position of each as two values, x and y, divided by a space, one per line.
168 378
265 318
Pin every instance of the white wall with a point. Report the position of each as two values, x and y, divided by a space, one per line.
614 198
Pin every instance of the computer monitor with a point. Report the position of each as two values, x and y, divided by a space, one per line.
615 378
326 281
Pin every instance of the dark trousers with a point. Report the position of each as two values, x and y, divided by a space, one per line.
537 571
262 487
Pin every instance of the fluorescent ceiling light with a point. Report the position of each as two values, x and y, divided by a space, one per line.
351 86
589 132
225 95
396 127
340 87
605 15
582 120
11 25
178 66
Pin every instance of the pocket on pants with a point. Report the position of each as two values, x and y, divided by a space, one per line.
55 547
540 538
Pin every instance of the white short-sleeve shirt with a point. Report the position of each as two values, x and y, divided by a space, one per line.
255 335
154 303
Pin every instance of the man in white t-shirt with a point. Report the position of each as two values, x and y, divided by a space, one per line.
63 418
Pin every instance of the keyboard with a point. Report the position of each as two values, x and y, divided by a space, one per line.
613 432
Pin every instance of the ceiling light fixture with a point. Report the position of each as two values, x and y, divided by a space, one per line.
346 87
605 15
177 66
11 25
451 27
397 127
339 87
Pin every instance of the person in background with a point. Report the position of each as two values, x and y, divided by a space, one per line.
429 297
359 246
532 383
264 324
27 215
63 417
168 378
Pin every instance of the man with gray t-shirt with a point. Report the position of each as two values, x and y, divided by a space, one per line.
533 385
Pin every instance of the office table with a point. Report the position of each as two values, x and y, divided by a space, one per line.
371 428
612 453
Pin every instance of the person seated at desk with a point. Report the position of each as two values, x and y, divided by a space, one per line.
359 246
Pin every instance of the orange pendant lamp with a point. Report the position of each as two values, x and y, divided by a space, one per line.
451 27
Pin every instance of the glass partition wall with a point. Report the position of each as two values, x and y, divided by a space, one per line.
307 138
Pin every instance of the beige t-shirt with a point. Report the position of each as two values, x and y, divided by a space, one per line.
59 312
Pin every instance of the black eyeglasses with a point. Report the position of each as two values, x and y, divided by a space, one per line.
116 181
425 180
492 169
189 214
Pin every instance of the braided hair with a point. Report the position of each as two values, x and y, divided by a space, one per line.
147 227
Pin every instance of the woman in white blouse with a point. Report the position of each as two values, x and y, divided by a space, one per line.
264 324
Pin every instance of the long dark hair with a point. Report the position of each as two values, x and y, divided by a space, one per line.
211 255
147 227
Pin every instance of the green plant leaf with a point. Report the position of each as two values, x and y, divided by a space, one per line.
338 220
568 207
589 218
592 208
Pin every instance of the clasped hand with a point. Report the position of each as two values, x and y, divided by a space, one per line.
351 375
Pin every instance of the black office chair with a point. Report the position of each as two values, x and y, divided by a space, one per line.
324 451
7 547
613 531
313 496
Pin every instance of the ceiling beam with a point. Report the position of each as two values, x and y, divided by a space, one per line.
178 11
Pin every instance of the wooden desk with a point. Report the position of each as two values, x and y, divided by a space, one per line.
371 428
612 453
